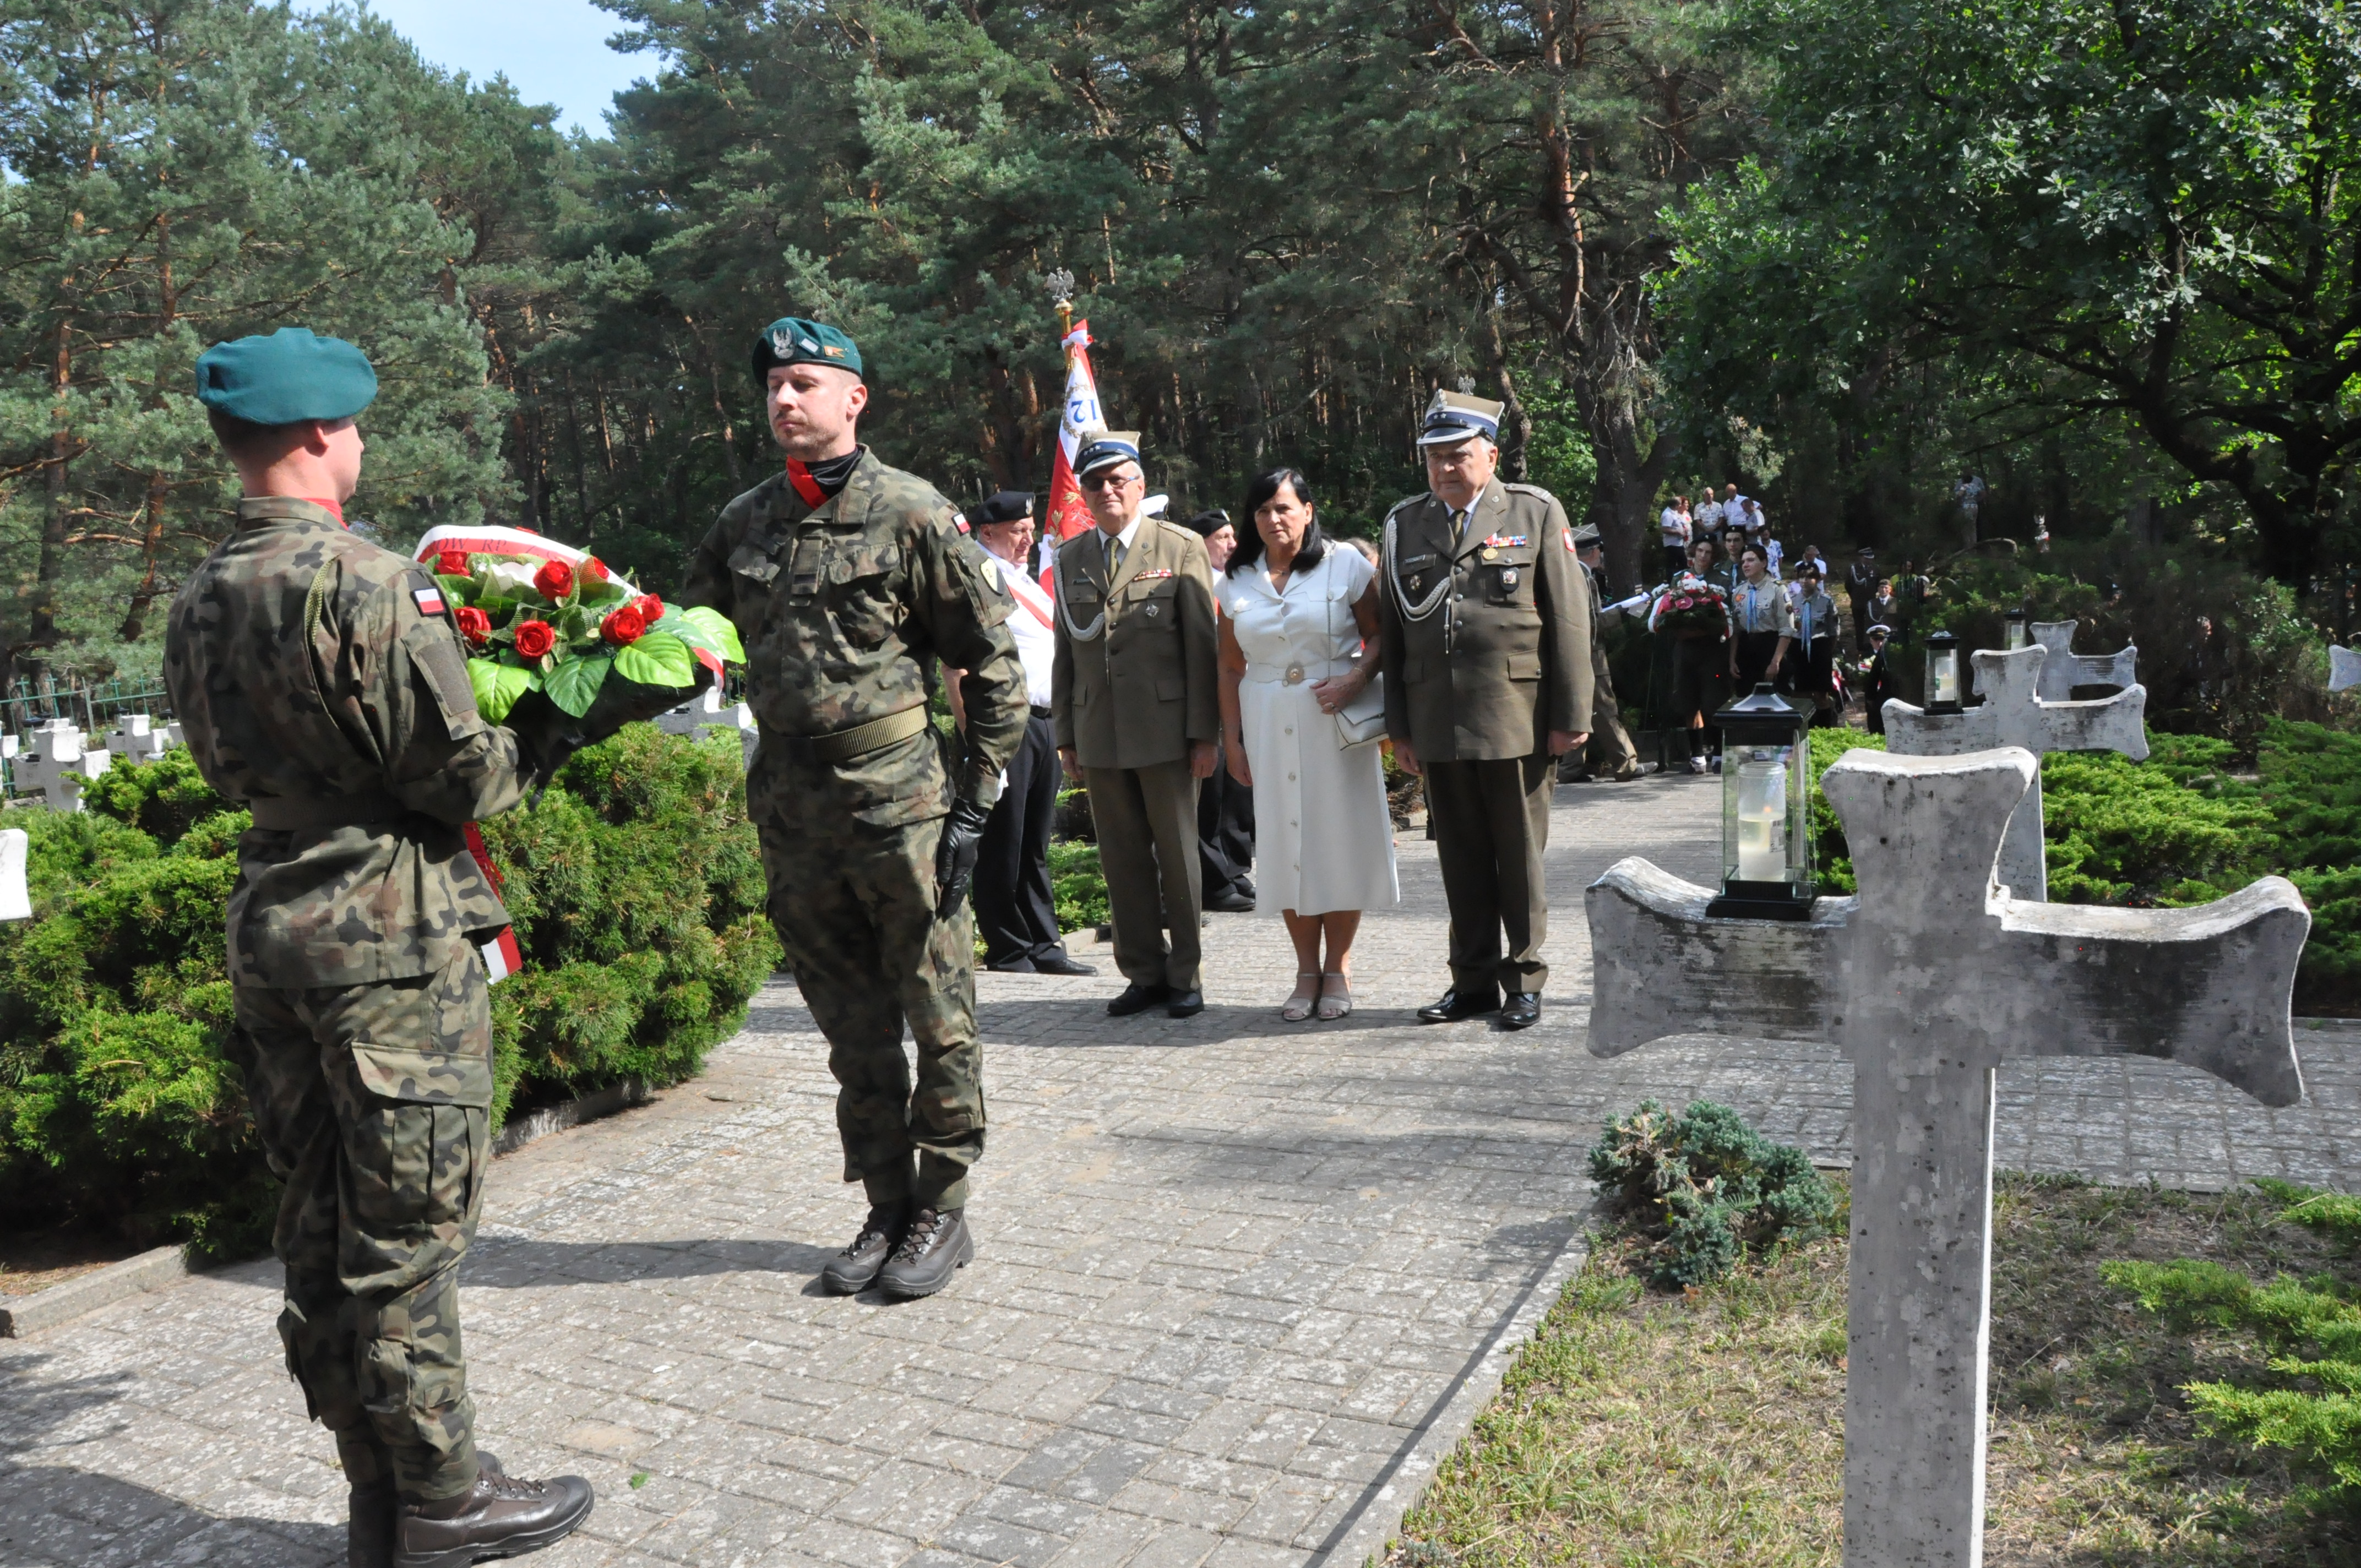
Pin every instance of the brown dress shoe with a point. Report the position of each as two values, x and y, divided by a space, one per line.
500 1516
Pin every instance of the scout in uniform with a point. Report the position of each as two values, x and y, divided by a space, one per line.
1134 696
848 580
323 684
1609 752
1485 636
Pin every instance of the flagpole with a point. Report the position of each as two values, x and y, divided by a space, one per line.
1061 297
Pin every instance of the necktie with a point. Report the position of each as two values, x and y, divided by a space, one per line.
1459 525
1114 558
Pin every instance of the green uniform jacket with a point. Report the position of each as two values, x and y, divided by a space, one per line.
1133 680
1486 640
309 665
844 609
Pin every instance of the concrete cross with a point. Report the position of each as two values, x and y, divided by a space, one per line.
2344 668
2067 670
136 738
57 764
1927 981
15 903
2014 714
706 713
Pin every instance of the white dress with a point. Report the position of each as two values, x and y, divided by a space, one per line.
1324 839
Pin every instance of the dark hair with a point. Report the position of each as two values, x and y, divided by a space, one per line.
243 437
1758 552
1308 552
1703 542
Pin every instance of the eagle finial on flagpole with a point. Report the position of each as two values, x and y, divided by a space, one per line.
1060 284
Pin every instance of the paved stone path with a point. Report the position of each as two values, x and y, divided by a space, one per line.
1241 1283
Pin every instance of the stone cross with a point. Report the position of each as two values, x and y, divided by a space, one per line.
706 713
15 903
2067 670
56 764
1927 981
2344 668
136 738
2014 714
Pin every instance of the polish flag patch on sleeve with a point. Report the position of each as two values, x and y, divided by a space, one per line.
430 600
502 958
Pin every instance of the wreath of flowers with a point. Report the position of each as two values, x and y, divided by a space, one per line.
562 628
1692 605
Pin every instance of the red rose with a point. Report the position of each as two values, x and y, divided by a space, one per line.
475 625
625 627
1683 603
452 563
593 569
535 638
554 580
650 608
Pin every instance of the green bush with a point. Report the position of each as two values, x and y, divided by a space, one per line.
2310 1401
636 885
1707 1189
1078 887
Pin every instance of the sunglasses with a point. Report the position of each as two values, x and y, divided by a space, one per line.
1105 481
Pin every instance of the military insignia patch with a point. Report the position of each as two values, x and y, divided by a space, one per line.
782 344
430 600
1568 538
833 352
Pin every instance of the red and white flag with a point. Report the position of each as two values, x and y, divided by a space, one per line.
1066 515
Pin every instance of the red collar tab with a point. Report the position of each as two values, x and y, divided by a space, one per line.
334 507
806 486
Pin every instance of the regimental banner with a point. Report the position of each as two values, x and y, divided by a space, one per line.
1066 515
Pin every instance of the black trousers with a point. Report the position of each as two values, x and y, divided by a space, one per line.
1700 685
1013 908
1225 835
1755 652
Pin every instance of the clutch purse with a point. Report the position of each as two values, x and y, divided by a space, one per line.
1363 719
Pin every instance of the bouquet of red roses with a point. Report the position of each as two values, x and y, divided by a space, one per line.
538 616
1691 604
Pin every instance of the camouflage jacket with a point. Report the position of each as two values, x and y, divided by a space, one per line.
843 608
308 665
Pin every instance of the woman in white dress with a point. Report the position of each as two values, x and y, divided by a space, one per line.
1298 645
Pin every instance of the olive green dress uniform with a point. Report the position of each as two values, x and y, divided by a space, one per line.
1610 750
1132 684
321 684
1486 632
843 608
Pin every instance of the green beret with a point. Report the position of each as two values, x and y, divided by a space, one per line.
792 340
287 376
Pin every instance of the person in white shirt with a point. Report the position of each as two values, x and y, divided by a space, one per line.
1672 532
1016 911
1705 523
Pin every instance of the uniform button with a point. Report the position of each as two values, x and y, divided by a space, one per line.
1290 729
1291 778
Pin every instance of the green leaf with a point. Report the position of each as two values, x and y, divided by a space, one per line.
460 590
716 625
606 592
574 684
497 688
658 659
495 606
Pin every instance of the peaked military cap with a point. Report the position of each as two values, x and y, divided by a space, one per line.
1454 417
1008 506
286 378
1585 536
1104 448
793 340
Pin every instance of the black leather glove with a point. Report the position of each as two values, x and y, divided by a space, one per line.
955 854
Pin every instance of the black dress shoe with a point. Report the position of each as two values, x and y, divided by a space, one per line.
501 1515
1020 964
1522 1011
1186 1003
938 1245
1457 1004
850 1271
1232 902
1059 963
1136 998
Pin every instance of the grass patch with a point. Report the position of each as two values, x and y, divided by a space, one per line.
1705 1426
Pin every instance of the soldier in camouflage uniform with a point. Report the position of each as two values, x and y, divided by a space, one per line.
848 582
323 684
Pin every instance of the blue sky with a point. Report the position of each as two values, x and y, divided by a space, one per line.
554 51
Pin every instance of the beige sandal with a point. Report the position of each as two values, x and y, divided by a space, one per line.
1298 1006
1338 1004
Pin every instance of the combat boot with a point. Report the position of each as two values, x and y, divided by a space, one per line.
500 1516
938 1243
369 1526
850 1271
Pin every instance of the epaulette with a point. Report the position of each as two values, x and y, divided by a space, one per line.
1524 489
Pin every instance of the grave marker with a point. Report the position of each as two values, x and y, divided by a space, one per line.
136 738
2013 714
16 903
1928 980
706 713
2344 668
2066 669
56 764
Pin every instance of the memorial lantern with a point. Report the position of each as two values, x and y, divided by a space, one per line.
2018 631
1946 673
1766 820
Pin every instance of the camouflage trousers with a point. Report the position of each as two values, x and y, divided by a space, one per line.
372 1101
854 906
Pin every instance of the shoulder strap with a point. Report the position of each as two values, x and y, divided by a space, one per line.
315 600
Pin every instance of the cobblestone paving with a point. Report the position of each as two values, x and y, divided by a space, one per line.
1240 1283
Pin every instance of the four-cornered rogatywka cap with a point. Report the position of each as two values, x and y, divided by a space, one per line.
286 378
794 340
1101 448
1454 417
